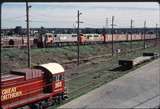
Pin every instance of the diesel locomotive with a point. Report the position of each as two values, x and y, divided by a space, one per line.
36 88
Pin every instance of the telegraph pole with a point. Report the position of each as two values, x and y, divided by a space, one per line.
28 37
105 31
78 37
112 35
131 34
144 39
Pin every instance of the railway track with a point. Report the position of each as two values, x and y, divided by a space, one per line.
99 56
94 82
95 57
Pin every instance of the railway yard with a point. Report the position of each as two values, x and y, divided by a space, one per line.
65 55
107 55
97 67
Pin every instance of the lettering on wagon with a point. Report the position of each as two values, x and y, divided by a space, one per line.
10 93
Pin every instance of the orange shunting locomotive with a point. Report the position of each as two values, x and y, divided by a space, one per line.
40 86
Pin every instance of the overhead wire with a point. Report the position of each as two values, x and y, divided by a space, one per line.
3 18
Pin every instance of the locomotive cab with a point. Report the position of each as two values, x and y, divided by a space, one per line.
49 39
53 77
45 40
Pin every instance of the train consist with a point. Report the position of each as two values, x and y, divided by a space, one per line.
36 88
50 39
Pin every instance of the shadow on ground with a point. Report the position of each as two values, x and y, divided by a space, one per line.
120 68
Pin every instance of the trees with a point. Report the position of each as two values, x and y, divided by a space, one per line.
18 30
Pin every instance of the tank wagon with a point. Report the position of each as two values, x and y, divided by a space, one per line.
37 87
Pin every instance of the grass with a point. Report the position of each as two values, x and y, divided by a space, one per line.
13 58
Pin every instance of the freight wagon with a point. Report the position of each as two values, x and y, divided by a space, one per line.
71 39
50 39
8 42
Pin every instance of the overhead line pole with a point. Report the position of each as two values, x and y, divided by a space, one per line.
131 34
106 30
28 37
112 35
78 58
144 37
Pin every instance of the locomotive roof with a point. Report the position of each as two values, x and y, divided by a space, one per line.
23 71
53 68
10 77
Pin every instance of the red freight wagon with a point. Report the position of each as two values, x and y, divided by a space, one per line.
33 87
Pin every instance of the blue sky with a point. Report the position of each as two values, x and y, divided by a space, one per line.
93 14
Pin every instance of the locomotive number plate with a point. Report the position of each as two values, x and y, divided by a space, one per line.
58 84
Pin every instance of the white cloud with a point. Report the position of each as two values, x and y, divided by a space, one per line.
94 14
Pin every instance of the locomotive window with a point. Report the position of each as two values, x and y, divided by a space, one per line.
54 78
57 78
60 77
